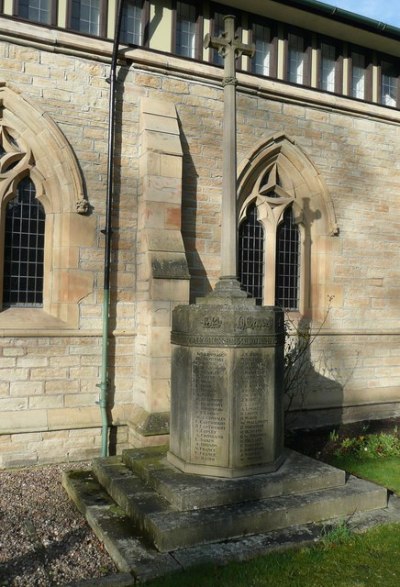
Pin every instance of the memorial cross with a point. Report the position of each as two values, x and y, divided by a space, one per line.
230 48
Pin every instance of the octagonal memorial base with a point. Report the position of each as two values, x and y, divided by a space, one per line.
226 388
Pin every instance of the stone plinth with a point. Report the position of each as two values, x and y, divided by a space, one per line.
226 396
175 511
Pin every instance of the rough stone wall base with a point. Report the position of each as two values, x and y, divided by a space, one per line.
58 446
320 418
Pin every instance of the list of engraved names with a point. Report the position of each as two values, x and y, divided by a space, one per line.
209 406
252 411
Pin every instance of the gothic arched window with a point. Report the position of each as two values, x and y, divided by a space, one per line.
281 191
270 244
23 248
44 219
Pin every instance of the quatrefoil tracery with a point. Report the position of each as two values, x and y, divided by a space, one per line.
271 198
16 161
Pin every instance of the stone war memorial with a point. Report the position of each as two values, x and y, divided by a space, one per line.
227 358
226 404
226 478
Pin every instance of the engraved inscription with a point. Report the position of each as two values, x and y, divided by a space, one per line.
209 409
227 341
248 322
252 409
212 322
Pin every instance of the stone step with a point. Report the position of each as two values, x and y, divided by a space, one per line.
298 474
115 529
133 555
170 528
129 491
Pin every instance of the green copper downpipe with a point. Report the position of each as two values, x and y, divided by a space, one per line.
104 382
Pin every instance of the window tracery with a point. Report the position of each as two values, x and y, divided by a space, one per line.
15 157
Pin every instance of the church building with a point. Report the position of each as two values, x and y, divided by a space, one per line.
137 161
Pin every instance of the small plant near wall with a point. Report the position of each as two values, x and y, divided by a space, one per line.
333 436
335 534
298 363
370 446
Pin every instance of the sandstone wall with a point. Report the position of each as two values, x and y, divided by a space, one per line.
49 369
48 396
354 363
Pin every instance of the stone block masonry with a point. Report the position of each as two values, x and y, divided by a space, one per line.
48 399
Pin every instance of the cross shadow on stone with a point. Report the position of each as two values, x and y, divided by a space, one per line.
199 282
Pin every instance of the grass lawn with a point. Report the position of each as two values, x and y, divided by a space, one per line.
384 471
341 559
369 559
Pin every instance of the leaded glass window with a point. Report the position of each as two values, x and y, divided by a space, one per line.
218 29
85 16
251 254
132 22
186 29
389 83
328 67
262 58
296 59
35 10
358 74
24 248
287 274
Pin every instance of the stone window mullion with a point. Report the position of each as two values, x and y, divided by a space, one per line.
270 261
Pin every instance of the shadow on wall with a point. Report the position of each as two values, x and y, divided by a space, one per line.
310 385
151 25
199 282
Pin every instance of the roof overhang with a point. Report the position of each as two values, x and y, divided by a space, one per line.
326 19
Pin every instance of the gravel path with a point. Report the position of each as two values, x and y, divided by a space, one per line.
44 540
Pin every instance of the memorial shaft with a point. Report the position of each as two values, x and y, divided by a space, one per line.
230 47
